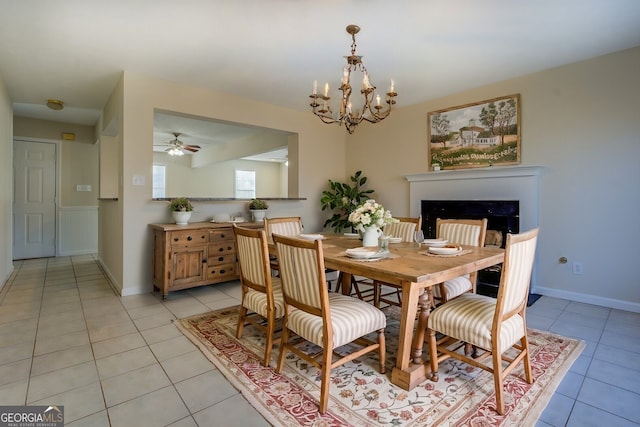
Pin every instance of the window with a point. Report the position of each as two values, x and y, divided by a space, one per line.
159 181
245 184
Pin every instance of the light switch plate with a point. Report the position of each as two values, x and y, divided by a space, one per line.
138 179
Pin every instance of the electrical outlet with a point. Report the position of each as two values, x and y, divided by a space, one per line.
578 268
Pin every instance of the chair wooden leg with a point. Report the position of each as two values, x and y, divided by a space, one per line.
497 380
284 340
241 316
382 350
527 359
377 288
327 357
339 283
470 350
269 344
433 354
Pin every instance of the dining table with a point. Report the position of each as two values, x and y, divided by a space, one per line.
411 268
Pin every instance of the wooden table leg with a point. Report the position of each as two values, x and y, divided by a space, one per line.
406 374
424 307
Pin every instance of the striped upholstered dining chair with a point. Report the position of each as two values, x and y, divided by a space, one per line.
470 232
261 293
285 226
327 319
406 229
495 325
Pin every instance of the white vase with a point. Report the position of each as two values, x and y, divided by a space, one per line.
258 214
181 218
370 236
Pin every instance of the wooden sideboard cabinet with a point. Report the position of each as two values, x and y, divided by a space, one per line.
197 254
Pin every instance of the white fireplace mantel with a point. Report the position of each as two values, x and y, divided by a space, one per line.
493 183
479 173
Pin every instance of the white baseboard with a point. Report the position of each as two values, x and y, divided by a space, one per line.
588 299
118 288
112 281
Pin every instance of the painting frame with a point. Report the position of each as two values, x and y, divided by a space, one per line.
487 133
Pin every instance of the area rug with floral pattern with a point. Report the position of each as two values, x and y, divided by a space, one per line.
361 396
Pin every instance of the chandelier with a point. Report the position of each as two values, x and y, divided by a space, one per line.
351 116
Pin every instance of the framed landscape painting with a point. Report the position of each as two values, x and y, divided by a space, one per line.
481 134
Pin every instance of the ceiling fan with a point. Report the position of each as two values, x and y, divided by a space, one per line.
177 147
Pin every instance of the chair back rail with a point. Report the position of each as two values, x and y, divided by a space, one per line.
472 232
404 228
285 226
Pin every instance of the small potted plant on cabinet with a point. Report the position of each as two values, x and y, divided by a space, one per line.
181 209
258 208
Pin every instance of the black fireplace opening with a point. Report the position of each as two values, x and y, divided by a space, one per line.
502 216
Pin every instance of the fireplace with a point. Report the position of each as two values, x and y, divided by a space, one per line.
503 216
504 184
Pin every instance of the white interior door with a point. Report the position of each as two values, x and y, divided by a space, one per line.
34 207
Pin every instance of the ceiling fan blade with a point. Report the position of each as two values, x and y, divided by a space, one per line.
192 148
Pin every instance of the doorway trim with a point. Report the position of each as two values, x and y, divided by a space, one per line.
58 145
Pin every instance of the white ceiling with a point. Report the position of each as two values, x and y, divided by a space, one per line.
273 50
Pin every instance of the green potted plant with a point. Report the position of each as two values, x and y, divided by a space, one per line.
258 208
342 199
181 209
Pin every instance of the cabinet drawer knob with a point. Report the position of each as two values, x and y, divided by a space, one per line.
189 238
222 271
221 258
220 249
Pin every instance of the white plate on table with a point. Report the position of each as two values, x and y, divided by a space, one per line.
435 243
352 235
311 236
363 253
445 250
395 239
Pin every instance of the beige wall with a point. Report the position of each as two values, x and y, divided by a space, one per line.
78 159
321 157
6 189
111 211
581 123
45 129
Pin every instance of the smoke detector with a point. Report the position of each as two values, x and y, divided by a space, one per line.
55 104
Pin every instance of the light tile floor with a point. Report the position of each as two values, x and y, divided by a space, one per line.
66 338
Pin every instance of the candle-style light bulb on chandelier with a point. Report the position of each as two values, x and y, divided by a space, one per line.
351 116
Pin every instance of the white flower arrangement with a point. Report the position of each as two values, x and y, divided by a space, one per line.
370 213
